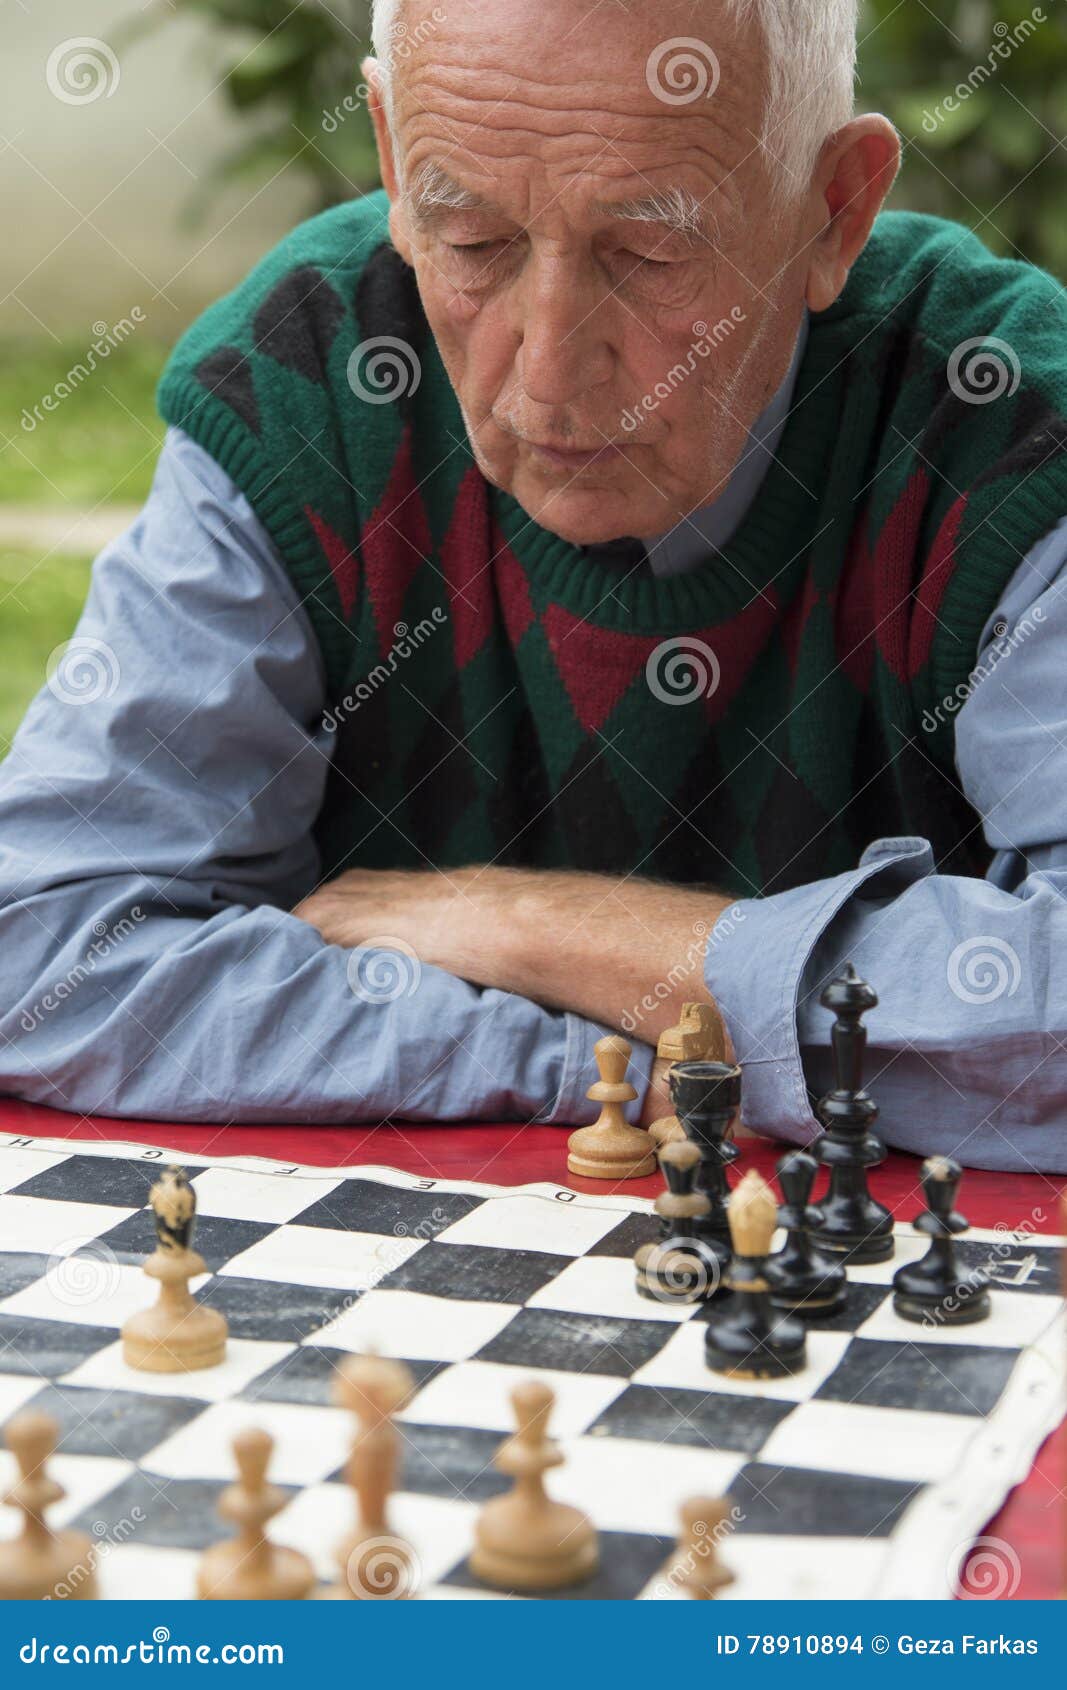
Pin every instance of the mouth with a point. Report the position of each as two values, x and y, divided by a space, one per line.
575 459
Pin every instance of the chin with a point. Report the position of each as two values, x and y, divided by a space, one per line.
583 516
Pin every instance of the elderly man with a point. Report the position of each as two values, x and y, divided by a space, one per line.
611 565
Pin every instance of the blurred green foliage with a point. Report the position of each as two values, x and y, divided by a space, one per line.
978 90
988 158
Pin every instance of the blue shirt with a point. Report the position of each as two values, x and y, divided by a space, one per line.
156 816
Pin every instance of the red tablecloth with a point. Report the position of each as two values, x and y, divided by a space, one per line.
1032 1521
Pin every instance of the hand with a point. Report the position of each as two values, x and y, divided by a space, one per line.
625 952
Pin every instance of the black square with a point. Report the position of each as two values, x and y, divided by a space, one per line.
165 1513
273 1310
1031 1267
628 1560
667 1414
803 1502
19 1270
938 1378
450 1461
48 1348
577 1343
308 1374
118 1424
124 1183
475 1273
217 1239
625 1239
362 1205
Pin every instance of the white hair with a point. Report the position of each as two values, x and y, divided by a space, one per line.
811 52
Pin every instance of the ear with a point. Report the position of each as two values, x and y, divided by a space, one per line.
856 169
387 160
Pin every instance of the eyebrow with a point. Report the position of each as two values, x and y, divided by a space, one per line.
674 209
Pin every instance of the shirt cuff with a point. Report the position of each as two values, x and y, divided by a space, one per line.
572 1108
754 969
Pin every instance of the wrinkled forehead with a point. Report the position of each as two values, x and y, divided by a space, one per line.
668 91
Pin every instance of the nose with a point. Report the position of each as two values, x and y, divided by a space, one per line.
565 350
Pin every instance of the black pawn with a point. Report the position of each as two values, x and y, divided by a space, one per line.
803 1281
681 1266
747 1338
706 1097
933 1291
848 1221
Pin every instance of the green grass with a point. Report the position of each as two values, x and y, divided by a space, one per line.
39 606
98 443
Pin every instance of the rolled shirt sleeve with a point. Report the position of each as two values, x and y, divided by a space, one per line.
967 1048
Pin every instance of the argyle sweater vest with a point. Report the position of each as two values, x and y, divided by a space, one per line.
499 696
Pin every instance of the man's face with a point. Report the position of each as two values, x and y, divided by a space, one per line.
608 364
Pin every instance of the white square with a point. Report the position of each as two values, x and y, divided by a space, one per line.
90 1290
439 1530
604 1285
238 1194
533 1223
309 1443
133 1572
416 1326
19 1162
1014 1322
478 1394
681 1362
783 1568
316 1255
15 1391
245 1361
50 1227
632 1485
838 1437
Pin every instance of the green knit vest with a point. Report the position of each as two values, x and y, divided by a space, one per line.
499 696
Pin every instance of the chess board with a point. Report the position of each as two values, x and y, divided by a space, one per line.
866 1475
